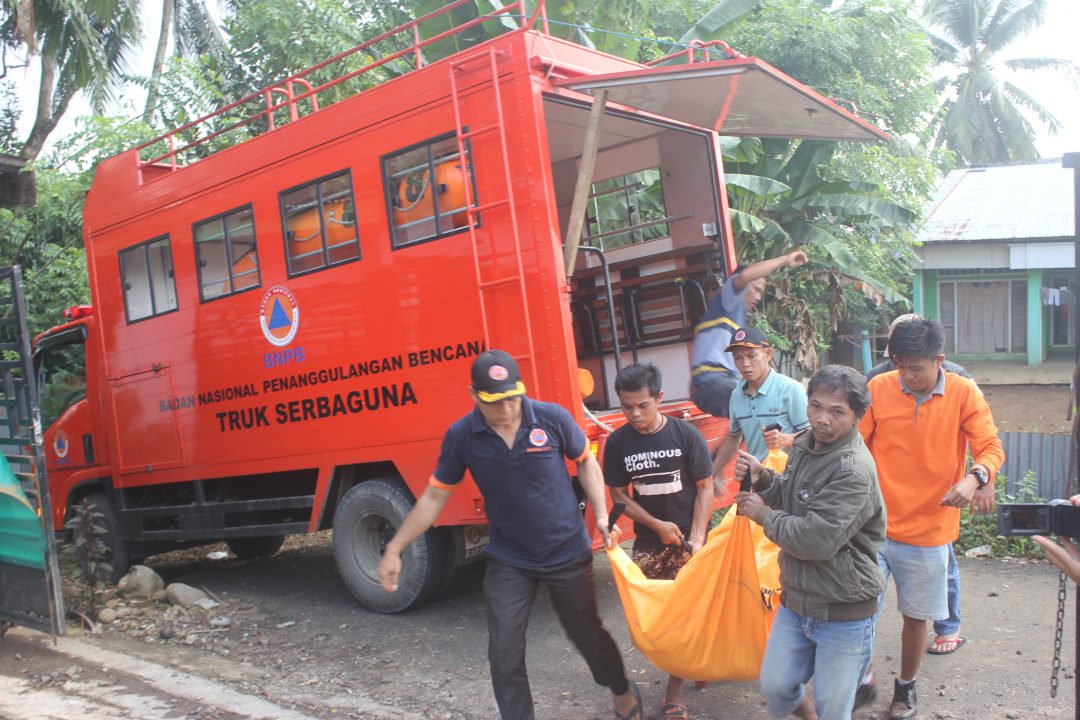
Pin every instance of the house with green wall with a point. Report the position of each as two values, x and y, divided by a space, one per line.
997 250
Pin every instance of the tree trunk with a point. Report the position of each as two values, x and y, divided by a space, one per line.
47 116
167 7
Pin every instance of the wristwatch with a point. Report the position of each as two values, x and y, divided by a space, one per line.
980 477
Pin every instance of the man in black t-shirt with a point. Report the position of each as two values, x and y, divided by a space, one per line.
667 462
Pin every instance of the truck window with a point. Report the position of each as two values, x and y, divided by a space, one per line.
425 189
61 370
225 254
627 210
146 272
320 224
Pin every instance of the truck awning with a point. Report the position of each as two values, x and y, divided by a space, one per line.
738 96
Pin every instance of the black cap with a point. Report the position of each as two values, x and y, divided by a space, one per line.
495 376
749 337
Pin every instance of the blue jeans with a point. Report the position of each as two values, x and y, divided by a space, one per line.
832 652
951 625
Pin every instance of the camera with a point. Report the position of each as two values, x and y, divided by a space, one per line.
1057 517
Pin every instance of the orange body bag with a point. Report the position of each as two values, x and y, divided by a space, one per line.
712 621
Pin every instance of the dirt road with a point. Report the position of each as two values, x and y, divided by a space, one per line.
297 642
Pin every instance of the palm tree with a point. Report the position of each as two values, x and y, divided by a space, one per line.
194 33
82 47
983 118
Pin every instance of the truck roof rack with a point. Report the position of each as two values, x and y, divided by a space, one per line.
270 105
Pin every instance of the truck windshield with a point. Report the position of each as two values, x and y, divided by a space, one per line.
61 373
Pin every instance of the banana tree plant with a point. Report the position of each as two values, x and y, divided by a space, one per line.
778 198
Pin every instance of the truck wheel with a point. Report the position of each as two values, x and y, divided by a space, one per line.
365 520
117 556
255 547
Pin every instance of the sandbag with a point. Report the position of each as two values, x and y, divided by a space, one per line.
712 621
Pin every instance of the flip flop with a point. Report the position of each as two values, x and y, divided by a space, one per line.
674 711
936 646
636 712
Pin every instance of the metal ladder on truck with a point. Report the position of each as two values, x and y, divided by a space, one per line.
29 568
487 62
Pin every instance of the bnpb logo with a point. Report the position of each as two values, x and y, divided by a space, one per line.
61 444
279 316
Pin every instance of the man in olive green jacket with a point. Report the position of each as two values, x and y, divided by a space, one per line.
826 514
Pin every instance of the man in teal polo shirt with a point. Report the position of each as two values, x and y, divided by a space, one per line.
515 449
761 398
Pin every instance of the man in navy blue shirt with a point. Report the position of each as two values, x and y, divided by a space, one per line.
515 449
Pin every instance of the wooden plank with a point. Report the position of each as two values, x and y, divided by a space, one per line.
584 183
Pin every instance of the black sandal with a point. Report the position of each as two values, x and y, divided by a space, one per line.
635 712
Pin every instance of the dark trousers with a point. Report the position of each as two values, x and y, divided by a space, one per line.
711 392
510 592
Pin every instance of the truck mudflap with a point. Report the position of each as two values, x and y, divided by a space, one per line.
29 569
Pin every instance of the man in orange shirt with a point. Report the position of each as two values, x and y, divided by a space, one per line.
919 426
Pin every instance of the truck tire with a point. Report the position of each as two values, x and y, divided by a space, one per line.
255 547
365 520
118 555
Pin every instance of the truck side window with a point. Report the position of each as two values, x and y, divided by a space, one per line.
425 190
61 371
146 273
225 254
320 224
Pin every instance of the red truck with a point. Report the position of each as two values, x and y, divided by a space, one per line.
282 329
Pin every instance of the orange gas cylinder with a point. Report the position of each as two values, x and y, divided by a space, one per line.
412 199
244 271
304 228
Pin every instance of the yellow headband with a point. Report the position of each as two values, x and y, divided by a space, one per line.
518 389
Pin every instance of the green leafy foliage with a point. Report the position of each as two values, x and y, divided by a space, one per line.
783 194
46 239
872 54
850 205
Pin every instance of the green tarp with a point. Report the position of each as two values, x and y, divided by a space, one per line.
22 540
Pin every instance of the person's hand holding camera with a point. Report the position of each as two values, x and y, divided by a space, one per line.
1066 556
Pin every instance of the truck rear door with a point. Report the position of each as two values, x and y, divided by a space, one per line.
738 96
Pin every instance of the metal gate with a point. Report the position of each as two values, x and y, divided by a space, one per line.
29 567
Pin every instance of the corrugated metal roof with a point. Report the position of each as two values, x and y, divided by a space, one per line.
1005 203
